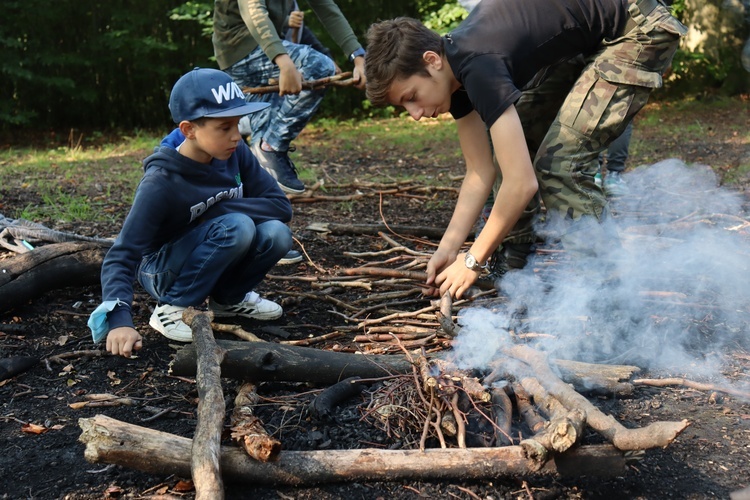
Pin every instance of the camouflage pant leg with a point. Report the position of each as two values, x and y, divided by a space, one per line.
613 87
537 109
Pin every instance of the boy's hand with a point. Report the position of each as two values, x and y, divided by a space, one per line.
290 80
295 18
123 341
358 75
438 262
457 278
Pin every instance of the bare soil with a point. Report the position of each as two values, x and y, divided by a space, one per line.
42 457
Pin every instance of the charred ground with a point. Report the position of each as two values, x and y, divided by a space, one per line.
710 459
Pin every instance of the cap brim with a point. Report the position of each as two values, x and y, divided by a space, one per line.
245 109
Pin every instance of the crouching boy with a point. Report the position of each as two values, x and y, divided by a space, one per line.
207 222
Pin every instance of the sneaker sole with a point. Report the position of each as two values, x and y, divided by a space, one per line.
290 190
284 261
153 323
261 316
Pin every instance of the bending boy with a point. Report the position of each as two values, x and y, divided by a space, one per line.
505 69
207 221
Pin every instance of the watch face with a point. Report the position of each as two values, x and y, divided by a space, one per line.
471 261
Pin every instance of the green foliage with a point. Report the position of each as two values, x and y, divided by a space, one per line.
102 64
111 65
446 18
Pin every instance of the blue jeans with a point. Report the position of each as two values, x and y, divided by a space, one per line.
281 122
618 151
224 258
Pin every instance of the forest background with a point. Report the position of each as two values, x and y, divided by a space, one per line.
99 65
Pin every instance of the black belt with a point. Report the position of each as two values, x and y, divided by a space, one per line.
644 6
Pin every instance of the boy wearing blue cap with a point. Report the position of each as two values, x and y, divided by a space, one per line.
206 222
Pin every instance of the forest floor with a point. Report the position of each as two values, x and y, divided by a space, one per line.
684 313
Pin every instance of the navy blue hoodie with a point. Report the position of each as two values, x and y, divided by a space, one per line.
174 196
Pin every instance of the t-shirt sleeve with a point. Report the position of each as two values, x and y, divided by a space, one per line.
487 88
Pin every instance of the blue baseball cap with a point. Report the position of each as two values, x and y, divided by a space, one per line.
209 93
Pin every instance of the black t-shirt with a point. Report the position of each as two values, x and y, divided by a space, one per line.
499 48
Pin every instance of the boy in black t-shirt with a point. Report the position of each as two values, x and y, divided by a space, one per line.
506 69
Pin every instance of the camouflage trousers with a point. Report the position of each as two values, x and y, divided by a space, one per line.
580 107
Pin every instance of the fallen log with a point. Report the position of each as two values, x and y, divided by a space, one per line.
14 365
205 451
111 441
266 362
49 267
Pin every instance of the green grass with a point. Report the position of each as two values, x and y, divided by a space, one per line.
73 184
97 182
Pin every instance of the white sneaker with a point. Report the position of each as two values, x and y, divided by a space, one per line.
167 320
252 306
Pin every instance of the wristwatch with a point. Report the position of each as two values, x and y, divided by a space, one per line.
357 53
471 262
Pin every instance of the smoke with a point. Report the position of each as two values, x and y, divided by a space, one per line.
674 296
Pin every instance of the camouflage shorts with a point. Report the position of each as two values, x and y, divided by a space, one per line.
582 105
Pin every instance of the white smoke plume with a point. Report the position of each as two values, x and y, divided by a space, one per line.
674 297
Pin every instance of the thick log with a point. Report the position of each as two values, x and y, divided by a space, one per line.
12 366
49 267
264 362
597 378
206 449
111 441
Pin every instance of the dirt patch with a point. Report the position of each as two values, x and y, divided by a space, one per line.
40 408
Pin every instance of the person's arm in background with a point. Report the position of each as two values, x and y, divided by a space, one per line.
338 27
258 20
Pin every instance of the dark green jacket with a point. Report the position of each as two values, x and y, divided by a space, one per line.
240 26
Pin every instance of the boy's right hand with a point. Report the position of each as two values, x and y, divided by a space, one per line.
296 18
123 341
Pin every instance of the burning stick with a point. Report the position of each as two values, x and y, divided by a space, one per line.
565 427
248 430
503 415
655 435
526 409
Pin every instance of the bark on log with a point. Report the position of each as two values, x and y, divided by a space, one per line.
111 441
248 430
49 267
526 409
655 435
264 362
206 449
597 378
565 427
